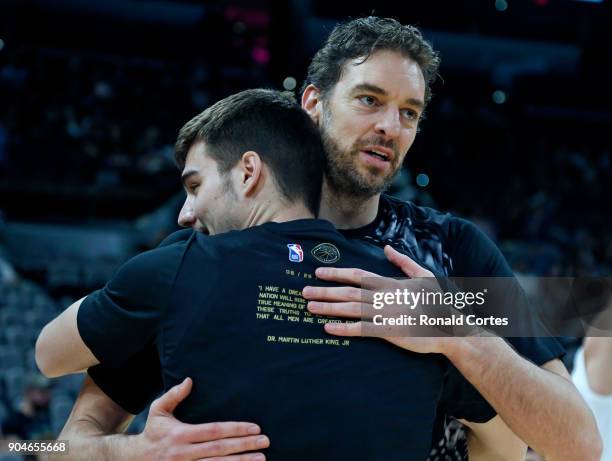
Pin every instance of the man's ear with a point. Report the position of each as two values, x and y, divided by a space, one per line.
312 102
251 174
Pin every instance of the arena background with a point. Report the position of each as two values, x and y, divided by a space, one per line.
92 94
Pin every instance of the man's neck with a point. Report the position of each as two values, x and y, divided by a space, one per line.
270 213
346 211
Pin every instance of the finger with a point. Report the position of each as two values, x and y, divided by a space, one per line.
226 447
346 294
168 402
407 265
358 277
350 310
206 432
343 275
343 329
245 457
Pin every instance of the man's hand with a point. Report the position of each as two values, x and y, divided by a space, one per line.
166 438
352 302
96 422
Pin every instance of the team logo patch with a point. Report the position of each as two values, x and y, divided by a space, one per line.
296 254
326 253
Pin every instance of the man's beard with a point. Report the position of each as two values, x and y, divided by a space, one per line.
224 221
343 174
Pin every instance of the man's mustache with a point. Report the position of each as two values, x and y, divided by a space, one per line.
380 141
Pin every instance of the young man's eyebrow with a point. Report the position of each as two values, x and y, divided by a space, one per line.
186 175
370 88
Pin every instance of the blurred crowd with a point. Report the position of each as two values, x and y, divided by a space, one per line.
90 122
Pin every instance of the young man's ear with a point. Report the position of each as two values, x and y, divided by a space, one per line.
312 102
251 172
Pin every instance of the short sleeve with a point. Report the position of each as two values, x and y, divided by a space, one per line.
475 255
134 384
462 401
119 320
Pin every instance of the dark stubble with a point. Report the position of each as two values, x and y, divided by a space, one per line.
342 173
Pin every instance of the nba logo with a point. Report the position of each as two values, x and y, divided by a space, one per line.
296 255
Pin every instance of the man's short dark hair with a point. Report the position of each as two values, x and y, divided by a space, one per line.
270 123
361 38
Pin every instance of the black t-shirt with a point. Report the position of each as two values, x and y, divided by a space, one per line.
227 311
446 245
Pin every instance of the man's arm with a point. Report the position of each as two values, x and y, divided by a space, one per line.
540 405
93 414
60 349
94 426
115 322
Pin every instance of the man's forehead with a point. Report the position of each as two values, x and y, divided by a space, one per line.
197 156
196 160
197 151
386 70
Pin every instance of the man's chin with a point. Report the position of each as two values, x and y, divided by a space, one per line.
363 186
374 182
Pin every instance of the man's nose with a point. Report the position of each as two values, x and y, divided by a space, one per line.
389 125
186 217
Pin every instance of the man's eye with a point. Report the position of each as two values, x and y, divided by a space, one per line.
409 114
193 188
368 100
